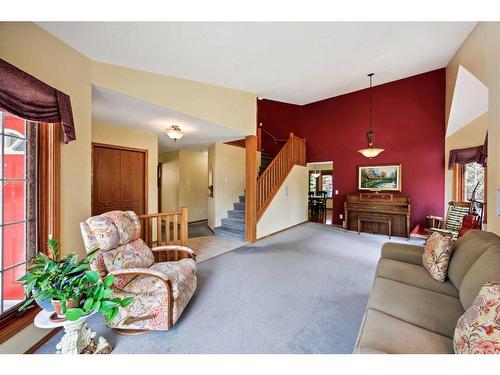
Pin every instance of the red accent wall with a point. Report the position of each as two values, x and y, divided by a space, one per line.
409 120
279 119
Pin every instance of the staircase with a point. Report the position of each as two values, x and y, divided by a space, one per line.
234 225
265 160
270 180
271 175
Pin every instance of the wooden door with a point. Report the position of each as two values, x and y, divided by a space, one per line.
119 179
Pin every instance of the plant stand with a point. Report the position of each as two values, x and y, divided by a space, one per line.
78 337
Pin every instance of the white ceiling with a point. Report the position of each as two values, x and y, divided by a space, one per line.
289 61
470 100
112 107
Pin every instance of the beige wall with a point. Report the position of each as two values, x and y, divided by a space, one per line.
24 45
480 55
38 53
231 108
228 167
126 137
289 206
193 183
185 182
169 181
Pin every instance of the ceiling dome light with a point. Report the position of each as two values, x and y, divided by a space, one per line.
174 132
371 151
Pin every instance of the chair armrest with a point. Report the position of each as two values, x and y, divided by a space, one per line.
166 248
403 252
145 272
158 275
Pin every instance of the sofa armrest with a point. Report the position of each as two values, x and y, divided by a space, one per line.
403 252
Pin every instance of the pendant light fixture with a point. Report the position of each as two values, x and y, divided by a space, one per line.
371 151
316 173
174 132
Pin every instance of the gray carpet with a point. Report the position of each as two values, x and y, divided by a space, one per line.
199 229
303 290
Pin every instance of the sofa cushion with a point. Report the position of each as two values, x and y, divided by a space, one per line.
466 251
486 268
424 308
385 333
413 275
478 329
403 252
436 257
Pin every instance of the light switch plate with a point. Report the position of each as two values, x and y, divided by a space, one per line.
498 202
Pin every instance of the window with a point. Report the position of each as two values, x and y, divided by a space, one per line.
327 184
322 183
466 178
473 174
312 182
18 206
29 155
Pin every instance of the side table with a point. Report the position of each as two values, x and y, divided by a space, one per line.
78 337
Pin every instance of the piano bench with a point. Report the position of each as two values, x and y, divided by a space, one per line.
371 219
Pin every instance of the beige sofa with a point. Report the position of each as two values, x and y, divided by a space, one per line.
410 312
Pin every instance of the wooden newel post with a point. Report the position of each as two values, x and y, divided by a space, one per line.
259 137
251 188
184 226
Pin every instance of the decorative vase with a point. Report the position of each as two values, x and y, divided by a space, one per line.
70 303
45 304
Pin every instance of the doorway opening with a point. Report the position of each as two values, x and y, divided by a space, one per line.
321 191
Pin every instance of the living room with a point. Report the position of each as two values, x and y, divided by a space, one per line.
198 188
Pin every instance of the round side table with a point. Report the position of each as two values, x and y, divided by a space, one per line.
78 337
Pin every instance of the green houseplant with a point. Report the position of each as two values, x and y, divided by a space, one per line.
70 285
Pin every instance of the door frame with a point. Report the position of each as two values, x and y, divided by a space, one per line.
123 148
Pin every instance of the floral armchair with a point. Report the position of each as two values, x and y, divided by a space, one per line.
161 290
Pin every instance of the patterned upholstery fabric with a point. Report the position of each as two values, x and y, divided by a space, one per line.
436 256
478 329
455 217
179 273
117 234
151 297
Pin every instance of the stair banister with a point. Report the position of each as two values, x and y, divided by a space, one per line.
269 182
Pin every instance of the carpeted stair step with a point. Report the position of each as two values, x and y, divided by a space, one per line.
230 233
233 223
239 206
237 214
242 198
265 160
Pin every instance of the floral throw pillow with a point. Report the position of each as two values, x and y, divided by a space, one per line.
437 254
478 329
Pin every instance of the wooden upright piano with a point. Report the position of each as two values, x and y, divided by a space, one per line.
382 207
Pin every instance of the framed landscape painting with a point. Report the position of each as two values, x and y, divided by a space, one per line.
380 177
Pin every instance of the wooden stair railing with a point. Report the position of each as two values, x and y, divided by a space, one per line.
260 132
269 182
171 229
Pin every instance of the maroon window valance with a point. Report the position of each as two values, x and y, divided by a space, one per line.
29 98
477 154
